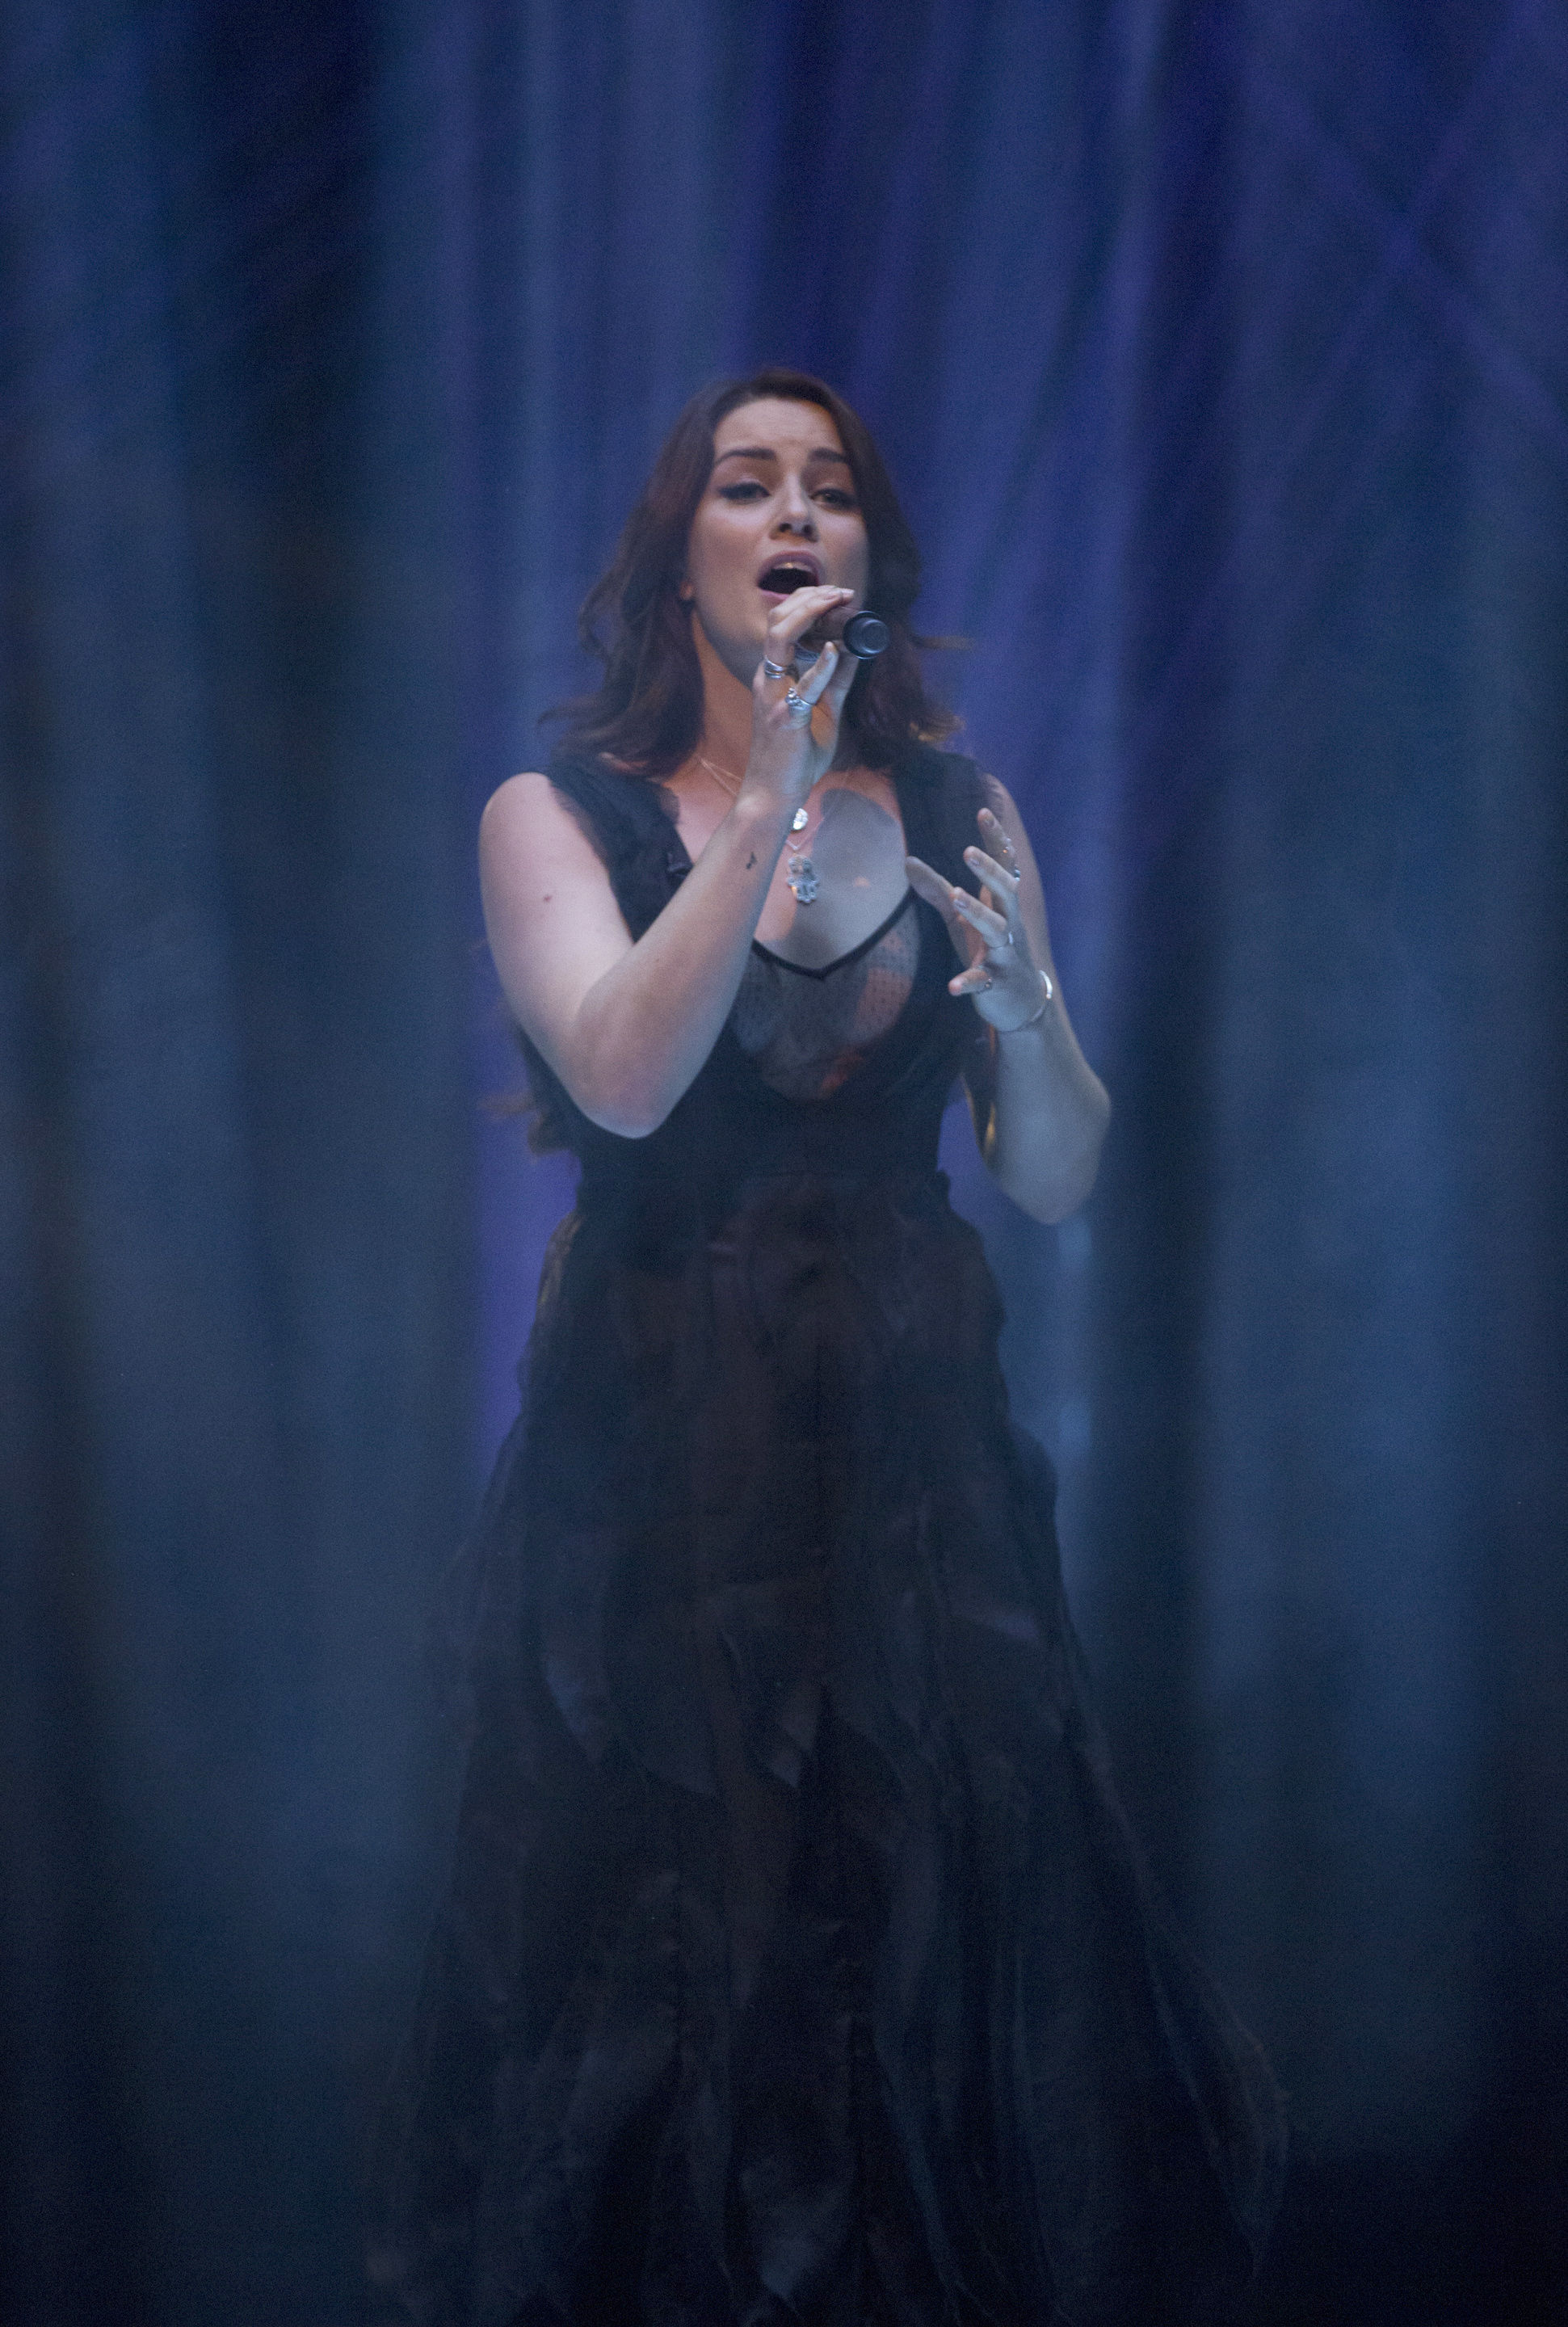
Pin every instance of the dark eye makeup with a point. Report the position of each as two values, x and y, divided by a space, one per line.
749 489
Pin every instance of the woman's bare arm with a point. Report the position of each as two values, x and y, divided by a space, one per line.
627 1026
1041 1112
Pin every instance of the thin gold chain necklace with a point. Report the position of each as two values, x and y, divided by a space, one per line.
722 777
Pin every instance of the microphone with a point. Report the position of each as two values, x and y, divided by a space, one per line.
866 636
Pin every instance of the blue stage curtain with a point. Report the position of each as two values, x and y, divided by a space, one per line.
1221 354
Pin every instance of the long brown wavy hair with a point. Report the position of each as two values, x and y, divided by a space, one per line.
646 713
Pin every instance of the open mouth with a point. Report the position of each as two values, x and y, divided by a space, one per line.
788 573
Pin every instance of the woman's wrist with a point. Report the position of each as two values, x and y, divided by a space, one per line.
763 819
1046 996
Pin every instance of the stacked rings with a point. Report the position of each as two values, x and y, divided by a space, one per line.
771 669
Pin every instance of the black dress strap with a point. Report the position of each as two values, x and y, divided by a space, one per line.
940 794
633 831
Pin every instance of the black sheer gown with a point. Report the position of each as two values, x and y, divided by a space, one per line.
797 1964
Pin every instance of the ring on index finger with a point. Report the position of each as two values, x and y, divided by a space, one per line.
771 669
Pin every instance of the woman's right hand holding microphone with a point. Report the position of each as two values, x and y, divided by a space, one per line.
796 713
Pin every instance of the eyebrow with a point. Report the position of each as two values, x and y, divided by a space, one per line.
766 452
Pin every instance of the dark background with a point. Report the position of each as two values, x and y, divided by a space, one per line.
1221 354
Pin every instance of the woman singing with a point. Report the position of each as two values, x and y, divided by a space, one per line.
798 1966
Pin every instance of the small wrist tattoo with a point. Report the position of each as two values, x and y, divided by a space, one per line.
751 860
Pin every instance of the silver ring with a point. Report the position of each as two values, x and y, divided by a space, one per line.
986 983
771 669
798 707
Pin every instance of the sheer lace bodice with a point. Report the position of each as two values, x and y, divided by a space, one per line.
808 1031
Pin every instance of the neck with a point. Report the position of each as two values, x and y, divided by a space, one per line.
726 731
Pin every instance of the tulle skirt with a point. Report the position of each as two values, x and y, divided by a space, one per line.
798 1965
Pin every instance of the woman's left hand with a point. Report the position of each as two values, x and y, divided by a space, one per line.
1000 974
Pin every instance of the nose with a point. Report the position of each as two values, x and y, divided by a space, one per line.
795 515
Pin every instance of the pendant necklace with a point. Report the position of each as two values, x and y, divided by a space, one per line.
799 873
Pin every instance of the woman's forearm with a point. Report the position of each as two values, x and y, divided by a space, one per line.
642 1034
1048 1117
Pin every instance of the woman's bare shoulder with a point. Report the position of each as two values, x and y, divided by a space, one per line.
548 905
534 851
997 797
527 814
526 797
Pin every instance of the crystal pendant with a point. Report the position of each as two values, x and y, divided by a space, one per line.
801 875
800 819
